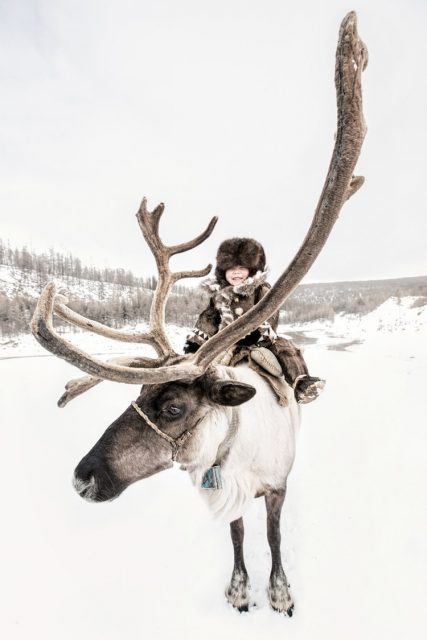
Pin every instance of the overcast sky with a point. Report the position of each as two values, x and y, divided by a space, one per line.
216 108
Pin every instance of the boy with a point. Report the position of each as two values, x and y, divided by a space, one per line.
239 283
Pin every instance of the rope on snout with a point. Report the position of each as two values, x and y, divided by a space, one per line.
175 444
152 425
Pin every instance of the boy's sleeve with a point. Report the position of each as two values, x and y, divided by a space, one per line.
269 327
206 326
266 332
274 320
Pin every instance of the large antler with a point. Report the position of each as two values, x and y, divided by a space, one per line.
149 369
340 184
149 223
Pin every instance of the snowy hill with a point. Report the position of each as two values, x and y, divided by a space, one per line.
118 300
28 283
407 315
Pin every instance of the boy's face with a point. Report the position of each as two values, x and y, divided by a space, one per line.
236 275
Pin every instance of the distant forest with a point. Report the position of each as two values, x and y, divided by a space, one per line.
114 297
324 300
117 297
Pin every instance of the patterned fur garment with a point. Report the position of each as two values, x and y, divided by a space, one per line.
228 302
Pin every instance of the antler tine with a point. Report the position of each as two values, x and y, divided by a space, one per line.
355 183
63 311
180 275
186 246
42 328
167 366
340 184
77 386
149 224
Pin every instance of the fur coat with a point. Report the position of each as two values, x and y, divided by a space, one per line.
226 304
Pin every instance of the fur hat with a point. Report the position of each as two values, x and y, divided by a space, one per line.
244 252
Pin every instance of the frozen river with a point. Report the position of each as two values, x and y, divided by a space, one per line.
153 564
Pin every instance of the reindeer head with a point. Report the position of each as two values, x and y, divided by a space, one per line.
131 449
180 390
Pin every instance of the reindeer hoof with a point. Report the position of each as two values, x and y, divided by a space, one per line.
281 599
287 610
237 593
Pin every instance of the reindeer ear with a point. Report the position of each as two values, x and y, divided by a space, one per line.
229 393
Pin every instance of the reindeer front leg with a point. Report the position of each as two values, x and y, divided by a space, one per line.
237 593
278 588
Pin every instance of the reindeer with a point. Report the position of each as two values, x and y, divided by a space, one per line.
191 409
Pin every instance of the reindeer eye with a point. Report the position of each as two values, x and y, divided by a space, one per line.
172 410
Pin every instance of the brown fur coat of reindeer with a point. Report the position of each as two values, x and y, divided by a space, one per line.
191 409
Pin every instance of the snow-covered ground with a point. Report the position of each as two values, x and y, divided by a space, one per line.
153 564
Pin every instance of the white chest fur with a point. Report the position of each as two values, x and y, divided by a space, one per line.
262 452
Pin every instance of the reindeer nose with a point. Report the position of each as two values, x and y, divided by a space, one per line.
86 468
94 480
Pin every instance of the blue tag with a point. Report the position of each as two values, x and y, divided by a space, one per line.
212 478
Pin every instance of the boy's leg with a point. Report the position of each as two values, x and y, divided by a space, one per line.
295 370
291 360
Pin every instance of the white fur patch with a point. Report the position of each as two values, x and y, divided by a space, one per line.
248 287
86 490
210 284
262 453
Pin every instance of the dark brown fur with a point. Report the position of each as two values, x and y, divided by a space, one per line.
245 252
